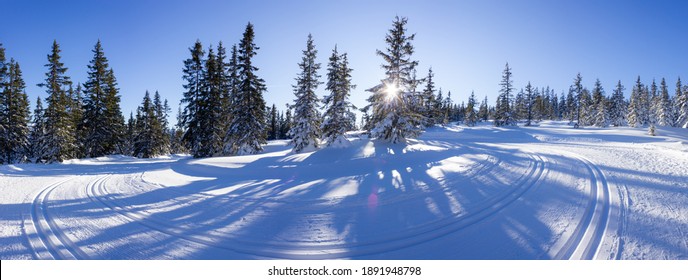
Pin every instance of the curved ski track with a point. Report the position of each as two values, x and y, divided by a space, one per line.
601 216
300 250
47 241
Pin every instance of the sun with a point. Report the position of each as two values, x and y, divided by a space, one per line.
391 91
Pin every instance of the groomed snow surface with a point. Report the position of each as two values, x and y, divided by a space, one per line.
542 192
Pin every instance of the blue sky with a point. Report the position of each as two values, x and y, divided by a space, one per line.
466 43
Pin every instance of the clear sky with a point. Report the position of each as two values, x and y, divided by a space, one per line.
466 43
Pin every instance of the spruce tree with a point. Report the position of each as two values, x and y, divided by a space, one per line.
4 77
484 112
681 105
306 130
130 136
161 129
438 110
193 86
76 110
337 117
664 110
60 127
617 106
246 133
394 115
579 105
273 125
530 101
146 129
103 121
429 101
471 115
37 144
599 113
636 112
504 115
14 116
211 112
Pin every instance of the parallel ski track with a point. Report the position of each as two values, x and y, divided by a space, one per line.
302 250
45 237
587 238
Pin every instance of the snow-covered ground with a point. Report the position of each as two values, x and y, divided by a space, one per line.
542 192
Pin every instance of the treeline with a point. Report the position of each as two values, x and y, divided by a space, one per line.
223 112
648 106
76 122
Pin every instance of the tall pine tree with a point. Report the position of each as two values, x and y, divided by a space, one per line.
617 106
664 110
394 116
246 133
14 116
193 86
504 115
37 144
60 126
103 121
337 105
306 130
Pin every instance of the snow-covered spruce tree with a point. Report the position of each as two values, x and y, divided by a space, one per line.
37 143
3 84
273 125
579 105
439 109
224 69
639 108
148 130
483 112
129 136
471 114
102 120
428 101
681 105
336 104
176 135
76 111
393 117
306 130
60 127
519 107
447 109
113 114
14 116
161 132
529 103
664 110
504 116
246 133
193 86
286 123
653 103
599 113
617 107
211 113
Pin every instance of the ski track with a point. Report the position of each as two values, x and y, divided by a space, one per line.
97 191
47 240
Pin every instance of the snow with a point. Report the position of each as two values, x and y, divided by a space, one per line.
541 192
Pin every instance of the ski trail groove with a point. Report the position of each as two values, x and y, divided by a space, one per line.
589 235
46 239
306 250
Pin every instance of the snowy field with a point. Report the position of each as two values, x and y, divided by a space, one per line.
542 192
